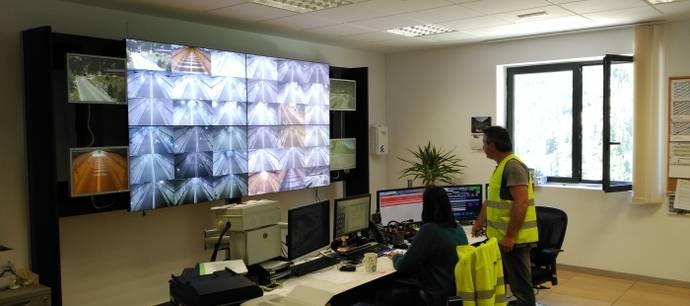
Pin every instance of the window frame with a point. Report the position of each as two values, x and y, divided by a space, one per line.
576 69
606 183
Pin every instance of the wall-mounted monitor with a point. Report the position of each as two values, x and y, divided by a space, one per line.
98 170
343 95
343 153
95 79
209 124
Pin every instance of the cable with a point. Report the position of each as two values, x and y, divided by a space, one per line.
88 125
93 203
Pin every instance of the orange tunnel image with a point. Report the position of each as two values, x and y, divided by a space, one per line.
99 171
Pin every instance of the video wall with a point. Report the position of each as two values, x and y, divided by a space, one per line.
208 124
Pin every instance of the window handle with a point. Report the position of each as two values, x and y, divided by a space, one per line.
615 143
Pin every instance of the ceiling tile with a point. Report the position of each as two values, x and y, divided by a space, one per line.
371 36
301 21
552 11
446 13
250 12
450 37
625 16
503 6
675 8
357 11
476 22
393 7
591 6
340 30
531 28
387 23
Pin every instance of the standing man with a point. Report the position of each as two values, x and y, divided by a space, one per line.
509 213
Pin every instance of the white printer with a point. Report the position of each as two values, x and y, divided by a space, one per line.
254 231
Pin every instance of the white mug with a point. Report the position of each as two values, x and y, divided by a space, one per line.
370 262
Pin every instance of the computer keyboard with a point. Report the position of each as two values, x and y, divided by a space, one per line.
312 265
357 253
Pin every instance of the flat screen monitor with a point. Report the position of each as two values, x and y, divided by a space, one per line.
343 153
351 214
465 200
400 204
308 228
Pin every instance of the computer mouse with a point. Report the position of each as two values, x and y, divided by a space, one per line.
347 268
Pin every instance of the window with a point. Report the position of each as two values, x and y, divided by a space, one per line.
573 121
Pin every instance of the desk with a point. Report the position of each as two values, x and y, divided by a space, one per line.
317 288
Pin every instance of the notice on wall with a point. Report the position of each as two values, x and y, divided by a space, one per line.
679 160
682 200
477 126
680 110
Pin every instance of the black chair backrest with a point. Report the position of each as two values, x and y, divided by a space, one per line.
552 223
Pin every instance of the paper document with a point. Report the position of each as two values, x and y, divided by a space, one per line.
680 111
236 266
682 200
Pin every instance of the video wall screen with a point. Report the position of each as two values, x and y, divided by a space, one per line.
209 124
98 170
95 79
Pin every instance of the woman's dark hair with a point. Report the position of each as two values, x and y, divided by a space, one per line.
436 207
500 137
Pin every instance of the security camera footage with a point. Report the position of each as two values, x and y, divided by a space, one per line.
208 124
95 79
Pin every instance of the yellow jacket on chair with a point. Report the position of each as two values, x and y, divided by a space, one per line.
479 275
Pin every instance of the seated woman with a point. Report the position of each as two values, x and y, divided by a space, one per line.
426 270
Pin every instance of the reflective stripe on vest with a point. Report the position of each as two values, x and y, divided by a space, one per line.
479 275
498 211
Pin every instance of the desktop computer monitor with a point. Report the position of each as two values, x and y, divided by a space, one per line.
400 204
351 215
406 203
308 228
465 200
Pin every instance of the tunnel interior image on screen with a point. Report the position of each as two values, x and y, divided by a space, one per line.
207 124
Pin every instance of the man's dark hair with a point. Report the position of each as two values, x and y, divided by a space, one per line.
500 137
436 207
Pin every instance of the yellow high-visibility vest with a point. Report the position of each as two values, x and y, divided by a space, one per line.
498 210
479 275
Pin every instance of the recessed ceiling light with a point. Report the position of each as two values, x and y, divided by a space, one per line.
661 1
533 15
302 6
421 30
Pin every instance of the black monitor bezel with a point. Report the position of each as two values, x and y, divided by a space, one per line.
481 197
325 206
378 197
335 213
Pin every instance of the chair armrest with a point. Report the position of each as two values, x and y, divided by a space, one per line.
551 251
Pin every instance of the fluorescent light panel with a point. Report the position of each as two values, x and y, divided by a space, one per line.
303 6
661 1
421 30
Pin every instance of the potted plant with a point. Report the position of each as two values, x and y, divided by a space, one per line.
432 164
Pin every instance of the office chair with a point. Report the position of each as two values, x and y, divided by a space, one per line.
552 223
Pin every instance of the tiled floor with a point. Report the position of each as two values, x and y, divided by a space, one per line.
580 289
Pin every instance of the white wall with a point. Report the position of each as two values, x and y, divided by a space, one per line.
120 258
432 95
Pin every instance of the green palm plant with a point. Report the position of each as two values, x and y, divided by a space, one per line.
432 164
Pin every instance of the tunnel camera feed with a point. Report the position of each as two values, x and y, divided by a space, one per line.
98 170
343 153
343 95
208 124
95 79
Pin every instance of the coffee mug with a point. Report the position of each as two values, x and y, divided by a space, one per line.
370 262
